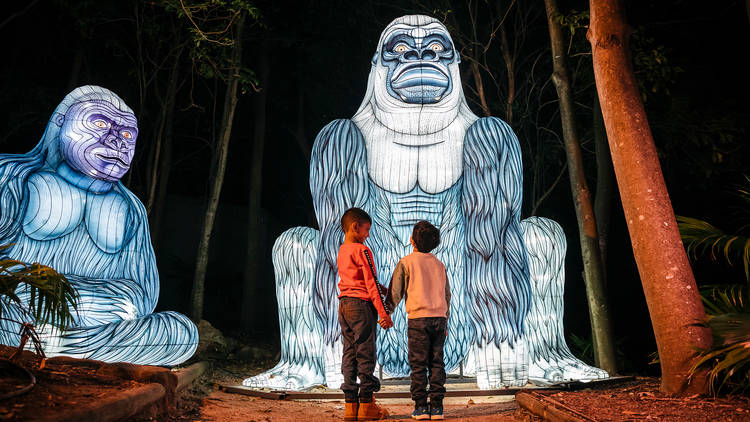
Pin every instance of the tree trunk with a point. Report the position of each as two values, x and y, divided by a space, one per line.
254 237
601 328
605 185
480 87
668 283
217 178
510 69
165 164
153 177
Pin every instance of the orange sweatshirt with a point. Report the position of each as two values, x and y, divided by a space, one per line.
358 278
421 278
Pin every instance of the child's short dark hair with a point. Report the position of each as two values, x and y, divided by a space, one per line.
426 236
354 214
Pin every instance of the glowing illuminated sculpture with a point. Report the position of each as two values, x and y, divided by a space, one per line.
63 205
414 151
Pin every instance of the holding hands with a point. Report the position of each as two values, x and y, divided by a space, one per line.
386 322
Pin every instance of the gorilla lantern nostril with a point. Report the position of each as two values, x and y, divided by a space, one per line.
428 55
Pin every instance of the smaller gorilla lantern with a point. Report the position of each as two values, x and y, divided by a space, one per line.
63 205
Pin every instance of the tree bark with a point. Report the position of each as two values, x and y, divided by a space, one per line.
480 87
601 328
217 179
254 232
605 185
668 283
510 69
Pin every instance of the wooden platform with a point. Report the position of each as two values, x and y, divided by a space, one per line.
399 389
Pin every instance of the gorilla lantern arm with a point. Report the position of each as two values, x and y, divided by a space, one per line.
496 267
338 181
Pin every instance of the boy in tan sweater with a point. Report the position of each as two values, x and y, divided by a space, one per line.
421 278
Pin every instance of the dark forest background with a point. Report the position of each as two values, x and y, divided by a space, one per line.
306 63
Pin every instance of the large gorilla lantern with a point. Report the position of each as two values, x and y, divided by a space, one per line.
63 205
415 151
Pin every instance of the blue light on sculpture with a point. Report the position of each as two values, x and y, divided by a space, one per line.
415 151
63 205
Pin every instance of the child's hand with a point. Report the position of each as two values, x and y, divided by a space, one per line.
386 322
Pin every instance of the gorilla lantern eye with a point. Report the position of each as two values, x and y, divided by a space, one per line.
127 135
100 123
400 48
436 47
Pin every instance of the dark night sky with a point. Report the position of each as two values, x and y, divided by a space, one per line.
323 49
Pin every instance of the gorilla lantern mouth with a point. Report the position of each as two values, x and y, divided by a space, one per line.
114 159
420 83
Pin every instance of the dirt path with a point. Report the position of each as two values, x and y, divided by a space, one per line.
222 406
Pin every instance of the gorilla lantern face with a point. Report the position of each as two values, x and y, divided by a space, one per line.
98 140
417 58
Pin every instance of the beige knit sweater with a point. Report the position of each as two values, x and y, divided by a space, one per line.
421 279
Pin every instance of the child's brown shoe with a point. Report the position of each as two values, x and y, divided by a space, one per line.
350 411
371 411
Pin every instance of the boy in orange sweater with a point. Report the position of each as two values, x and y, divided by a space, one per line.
361 300
421 278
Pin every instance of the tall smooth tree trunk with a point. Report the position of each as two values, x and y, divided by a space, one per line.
668 283
606 186
601 328
254 228
217 179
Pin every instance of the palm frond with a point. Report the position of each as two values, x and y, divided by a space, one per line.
728 360
52 299
703 238
725 299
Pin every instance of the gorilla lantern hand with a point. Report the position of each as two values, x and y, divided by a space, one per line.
63 205
415 151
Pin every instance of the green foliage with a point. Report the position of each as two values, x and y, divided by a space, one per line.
727 362
582 348
211 26
51 297
725 299
702 238
653 69
574 21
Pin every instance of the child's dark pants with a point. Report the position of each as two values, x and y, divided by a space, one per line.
426 340
358 320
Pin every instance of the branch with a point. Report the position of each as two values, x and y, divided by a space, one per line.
17 14
203 34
